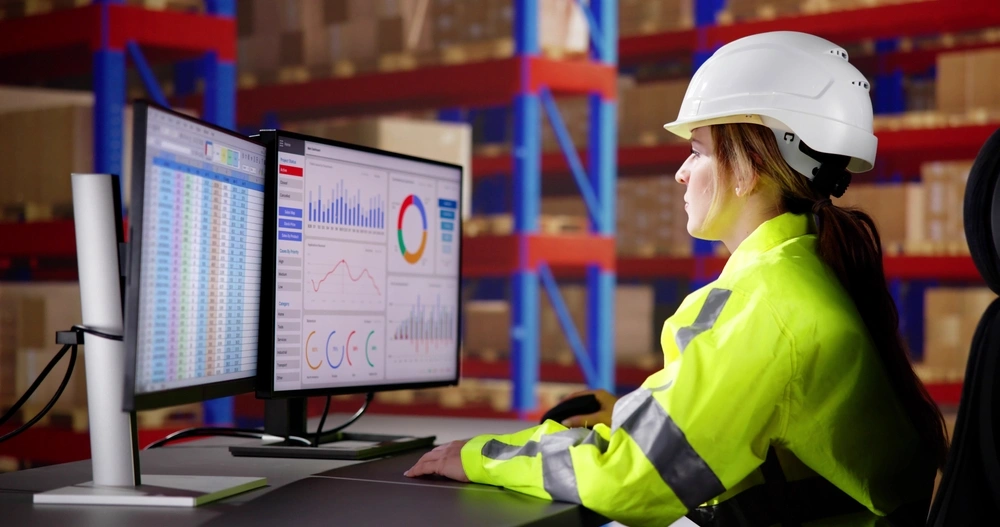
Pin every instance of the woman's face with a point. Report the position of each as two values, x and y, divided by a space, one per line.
698 175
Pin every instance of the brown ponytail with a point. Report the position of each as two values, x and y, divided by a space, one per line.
850 244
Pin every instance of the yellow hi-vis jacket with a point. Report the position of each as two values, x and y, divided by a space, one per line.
773 353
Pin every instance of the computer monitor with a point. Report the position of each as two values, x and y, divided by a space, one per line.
192 289
196 223
361 277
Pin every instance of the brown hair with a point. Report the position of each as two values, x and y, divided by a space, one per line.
748 157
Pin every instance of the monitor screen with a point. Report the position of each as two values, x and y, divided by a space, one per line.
366 269
193 286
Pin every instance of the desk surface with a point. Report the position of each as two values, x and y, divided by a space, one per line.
303 492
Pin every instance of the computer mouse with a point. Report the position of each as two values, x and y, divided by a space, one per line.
579 405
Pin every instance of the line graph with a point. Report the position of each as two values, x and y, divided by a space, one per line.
316 285
344 276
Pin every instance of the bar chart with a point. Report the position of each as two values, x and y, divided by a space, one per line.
345 201
421 330
337 207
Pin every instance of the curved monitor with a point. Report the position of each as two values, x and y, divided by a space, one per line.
361 275
195 246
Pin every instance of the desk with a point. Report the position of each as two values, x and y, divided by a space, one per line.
303 492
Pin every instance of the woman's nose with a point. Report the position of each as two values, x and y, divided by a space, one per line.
682 174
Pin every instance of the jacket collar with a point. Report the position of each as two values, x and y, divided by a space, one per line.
769 235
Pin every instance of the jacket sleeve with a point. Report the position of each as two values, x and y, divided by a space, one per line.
693 430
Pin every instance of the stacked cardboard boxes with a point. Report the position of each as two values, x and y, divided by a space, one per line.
488 323
49 135
297 40
951 315
29 318
740 10
966 81
939 227
643 17
896 209
651 217
645 108
22 8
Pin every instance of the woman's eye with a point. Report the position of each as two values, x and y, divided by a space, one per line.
695 153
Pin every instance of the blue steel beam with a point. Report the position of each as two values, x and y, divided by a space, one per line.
527 190
109 100
572 157
602 47
148 78
602 164
568 327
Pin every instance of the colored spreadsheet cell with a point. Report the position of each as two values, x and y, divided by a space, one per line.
202 277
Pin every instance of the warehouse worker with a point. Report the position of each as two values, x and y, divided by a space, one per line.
787 394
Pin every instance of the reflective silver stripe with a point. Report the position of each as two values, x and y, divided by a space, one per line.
558 477
494 449
666 447
629 403
706 318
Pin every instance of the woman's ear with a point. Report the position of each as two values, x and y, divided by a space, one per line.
747 186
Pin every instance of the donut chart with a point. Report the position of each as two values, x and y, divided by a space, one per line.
342 353
412 256
309 362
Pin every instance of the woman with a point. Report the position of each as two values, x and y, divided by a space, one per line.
787 395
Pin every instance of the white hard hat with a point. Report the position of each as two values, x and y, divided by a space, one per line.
799 85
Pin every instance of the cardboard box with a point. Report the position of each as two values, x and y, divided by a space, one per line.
487 329
43 146
951 318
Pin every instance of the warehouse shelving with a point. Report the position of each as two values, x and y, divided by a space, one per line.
900 151
496 256
473 84
93 40
519 79
881 22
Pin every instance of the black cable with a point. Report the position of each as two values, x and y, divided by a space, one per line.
34 386
251 433
320 434
52 401
97 333
322 421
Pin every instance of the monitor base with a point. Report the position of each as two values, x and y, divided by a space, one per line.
344 446
155 491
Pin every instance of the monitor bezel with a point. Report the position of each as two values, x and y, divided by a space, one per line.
265 368
174 396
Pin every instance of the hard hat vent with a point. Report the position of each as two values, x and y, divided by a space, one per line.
839 52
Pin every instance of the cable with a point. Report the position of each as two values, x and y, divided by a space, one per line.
320 434
97 333
52 401
252 433
322 421
38 382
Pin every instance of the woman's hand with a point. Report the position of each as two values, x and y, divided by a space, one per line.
445 460
603 415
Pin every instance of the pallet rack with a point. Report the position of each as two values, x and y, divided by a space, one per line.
528 81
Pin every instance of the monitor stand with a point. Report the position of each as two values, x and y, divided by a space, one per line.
287 417
113 440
